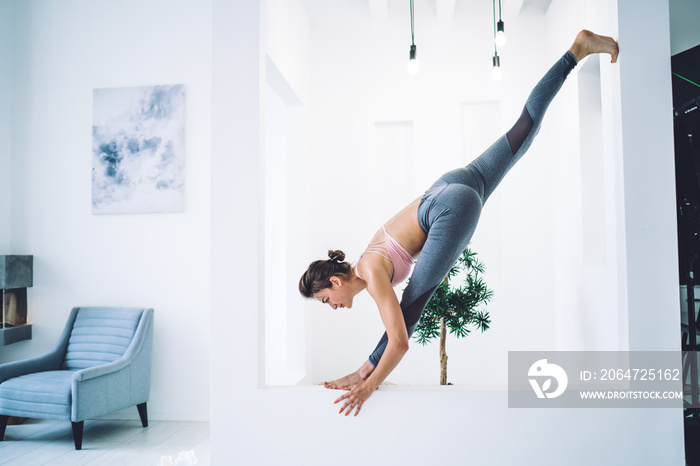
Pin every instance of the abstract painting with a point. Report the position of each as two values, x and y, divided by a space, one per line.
138 150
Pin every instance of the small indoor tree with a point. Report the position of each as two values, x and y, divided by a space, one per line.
456 307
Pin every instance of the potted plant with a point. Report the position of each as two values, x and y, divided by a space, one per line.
455 306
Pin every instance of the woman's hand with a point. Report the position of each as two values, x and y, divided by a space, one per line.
355 398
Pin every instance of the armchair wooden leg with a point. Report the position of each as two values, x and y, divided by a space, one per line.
143 413
78 434
3 424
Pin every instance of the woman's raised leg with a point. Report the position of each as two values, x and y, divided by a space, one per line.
496 161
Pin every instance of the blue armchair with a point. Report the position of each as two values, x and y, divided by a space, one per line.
101 363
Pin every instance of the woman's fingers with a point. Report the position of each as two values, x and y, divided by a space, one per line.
351 403
347 403
356 405
345 406
342 397
359 406
348 407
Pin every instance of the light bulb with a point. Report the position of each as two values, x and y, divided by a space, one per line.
413 64
501 39
501 34
496 73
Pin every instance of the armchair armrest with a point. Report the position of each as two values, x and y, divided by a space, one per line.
50 361
103 369
47 362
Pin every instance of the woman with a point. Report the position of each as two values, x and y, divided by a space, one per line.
438 226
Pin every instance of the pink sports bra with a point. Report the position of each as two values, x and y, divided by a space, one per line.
397 254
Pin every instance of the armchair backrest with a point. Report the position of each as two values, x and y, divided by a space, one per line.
100 336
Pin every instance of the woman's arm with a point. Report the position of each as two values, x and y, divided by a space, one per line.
397 345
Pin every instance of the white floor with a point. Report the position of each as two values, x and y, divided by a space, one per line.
105 442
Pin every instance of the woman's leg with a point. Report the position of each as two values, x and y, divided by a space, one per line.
496 161
451 208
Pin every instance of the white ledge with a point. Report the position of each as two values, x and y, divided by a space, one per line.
421 388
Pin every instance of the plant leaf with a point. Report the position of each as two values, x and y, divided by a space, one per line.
457 303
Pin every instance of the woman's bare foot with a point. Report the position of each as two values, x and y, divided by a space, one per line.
346 382
588 43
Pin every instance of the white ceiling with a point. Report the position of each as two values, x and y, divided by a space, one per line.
347 11
684 14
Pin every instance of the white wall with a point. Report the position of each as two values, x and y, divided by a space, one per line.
650 217
286 38
236 291
64 50
6 79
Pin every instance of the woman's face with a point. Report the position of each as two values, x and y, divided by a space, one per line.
338 295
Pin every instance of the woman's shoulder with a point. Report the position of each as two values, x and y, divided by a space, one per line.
374 267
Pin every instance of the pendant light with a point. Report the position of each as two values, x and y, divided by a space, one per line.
413 64
496 73
500 28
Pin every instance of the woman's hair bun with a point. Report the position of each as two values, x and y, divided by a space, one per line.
336 256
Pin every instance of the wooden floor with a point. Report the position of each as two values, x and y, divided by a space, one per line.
105 442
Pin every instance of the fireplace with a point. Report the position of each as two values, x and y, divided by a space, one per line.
16 276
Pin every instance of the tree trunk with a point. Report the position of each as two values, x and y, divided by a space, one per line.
443 353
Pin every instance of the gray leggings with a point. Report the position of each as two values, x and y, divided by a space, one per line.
450 209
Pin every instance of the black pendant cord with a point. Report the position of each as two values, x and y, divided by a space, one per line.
412 38
495 48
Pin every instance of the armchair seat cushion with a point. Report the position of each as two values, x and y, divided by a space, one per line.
44 395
